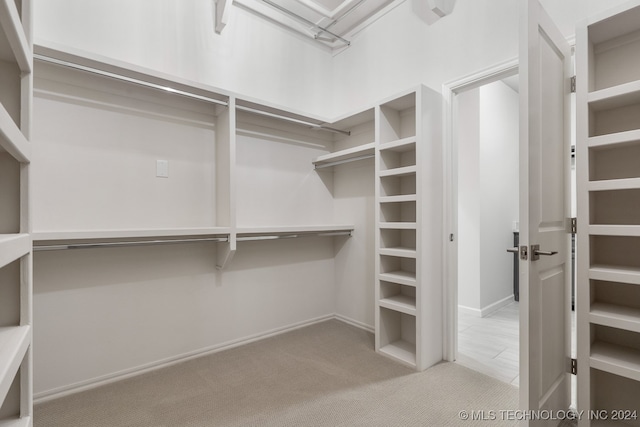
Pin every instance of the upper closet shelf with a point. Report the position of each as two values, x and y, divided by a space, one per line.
11 138
14 46
119 238
615 97
13 247
344 156
279 232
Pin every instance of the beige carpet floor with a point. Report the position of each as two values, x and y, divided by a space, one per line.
322 375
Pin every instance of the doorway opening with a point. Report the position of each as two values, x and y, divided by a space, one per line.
487 181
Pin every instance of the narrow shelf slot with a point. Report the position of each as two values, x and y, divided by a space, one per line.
616 359
615 316
399 277
615 97
400 145
614 184
403 171
397 335
398 225
611 273
399 199
14 342
614 230
614 139
402 351
399 252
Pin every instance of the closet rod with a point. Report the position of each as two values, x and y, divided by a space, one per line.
293 236
127 79
340 162
291 119
306 21
125 243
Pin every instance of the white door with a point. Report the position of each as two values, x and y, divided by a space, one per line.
545 65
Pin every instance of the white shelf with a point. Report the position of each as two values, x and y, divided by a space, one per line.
346 155
615 316
400 145
615 97
399 252
401 303
614 184
610 273
616 359
404 171
48 236
17 422
293 229
14 46
398 225
11 138
619 138
13 247
399 199
14 342
614 230
399 277
402 351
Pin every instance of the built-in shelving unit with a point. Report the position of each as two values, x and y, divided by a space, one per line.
408 298
608 99
16 82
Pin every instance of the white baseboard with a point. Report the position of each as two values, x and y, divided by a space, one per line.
485 311
496 306
56 393
355 323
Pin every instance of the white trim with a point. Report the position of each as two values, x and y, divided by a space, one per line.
475 312
56 393
67 390
485 311
450 217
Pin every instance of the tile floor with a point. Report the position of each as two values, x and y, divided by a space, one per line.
490 344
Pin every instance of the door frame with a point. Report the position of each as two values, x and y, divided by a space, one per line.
450 173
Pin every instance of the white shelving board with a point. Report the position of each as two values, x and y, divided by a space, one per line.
362 151
46 236
13 247
11 138
14 342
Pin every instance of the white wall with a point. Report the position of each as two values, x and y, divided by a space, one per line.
498 190
251 57
487 126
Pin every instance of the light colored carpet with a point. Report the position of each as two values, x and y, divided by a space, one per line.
322 375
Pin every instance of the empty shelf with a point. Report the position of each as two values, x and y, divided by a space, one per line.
615 97
615 316
614 139
401 350
402 303
400 145
13 247
614 184
399 252
398 225
294 229
47 236
11 138
14 342
399 199
343 156
404 171
399 277
616 359
614 230
611 273
13 38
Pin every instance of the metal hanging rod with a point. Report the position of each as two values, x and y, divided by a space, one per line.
127 79
291 119
126 243
335 21
306 21
293 236
340 162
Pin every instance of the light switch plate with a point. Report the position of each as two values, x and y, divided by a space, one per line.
162 168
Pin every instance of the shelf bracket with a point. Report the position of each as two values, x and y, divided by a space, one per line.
221 14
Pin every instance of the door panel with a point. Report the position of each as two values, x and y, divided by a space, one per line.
544 208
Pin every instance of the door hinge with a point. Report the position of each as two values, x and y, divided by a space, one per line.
574 367
572 225
573 84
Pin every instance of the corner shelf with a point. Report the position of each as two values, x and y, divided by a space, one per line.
347 155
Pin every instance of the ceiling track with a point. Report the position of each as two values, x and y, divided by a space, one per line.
306 21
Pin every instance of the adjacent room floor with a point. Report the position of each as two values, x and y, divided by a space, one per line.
327 374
